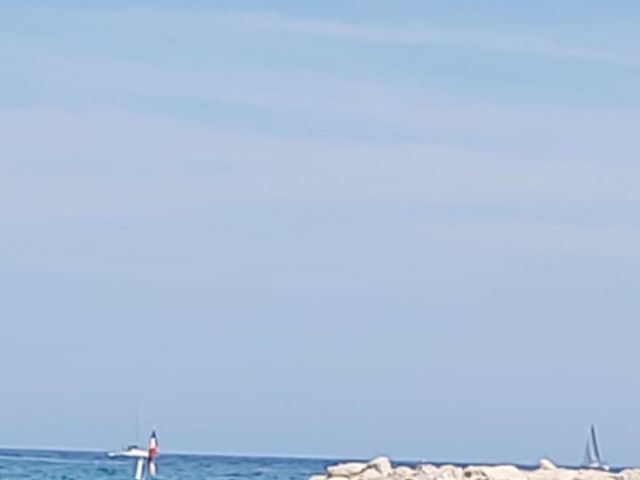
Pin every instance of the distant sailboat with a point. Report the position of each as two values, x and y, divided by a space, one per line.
145 458
592 457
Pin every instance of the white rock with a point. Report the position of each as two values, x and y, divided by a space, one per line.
504 472
404 472
449 472
427 472
350 469
370 473
474 473
318 477
553 474
420 475
630 474
546 464
382 465
428 468
563 474
596 475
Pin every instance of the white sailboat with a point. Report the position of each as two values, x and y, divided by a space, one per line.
592 457
145 458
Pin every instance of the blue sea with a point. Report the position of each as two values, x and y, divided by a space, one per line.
67 465
64 465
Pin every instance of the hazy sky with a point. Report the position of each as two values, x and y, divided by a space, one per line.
345 227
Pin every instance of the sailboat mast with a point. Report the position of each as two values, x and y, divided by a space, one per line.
596 450
138 439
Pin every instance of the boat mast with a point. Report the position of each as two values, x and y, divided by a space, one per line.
596 450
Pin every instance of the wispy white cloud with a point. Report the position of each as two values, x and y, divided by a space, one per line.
203 25
374 106
115 163
207 26
103 158
439 36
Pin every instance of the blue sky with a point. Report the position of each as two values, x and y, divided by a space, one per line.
329 228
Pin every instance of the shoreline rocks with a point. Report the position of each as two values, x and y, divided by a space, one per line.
381 468
350 469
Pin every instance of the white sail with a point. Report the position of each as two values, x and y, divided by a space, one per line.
592 457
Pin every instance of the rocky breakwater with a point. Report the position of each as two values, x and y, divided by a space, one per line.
381 469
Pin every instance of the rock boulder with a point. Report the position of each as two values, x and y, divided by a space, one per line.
382 465
546 464
403 473
350 469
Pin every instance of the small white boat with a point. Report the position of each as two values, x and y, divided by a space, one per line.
145 458
592 457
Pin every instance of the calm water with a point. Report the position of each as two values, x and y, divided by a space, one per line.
56 465
52 465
